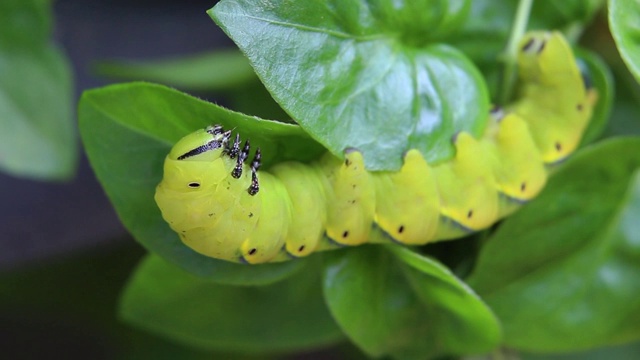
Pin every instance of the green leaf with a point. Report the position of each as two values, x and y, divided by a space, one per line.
364 74
207 71
562 273
38 135
624 16
25 24
602 79
127 131
406 306
286 316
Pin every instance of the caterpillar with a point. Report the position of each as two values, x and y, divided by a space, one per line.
223 207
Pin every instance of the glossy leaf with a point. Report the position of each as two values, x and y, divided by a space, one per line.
215 70
38 135
624 16
289 315
406 306
127 131
364 74
561 274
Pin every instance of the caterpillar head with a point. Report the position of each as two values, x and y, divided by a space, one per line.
546 57
193 168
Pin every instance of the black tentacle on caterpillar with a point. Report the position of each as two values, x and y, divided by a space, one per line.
224 208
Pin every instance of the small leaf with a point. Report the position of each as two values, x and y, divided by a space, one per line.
38 135
364 74
599 73
127 131
207 71
287 316
624 16
413 309
561 273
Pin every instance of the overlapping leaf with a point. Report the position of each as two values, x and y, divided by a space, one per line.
288 315
570 260
367 74
406 306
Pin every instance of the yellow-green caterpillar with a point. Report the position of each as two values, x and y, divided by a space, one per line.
223 208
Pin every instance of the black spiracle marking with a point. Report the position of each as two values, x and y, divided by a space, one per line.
586 80
528 45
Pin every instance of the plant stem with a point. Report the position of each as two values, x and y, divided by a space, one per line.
511 53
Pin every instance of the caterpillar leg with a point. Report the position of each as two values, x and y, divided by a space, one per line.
407 202
352 206
467 188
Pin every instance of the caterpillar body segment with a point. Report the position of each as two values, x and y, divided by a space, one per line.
267 239
351 208
554 98
514 160
305 187
400 195
467 188
222 207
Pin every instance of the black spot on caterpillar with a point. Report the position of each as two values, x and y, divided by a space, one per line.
295 209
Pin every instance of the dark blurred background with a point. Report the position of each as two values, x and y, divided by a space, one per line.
42 220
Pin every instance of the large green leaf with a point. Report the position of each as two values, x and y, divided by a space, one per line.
128 129
406 305
624 16
562 273
289 315
367 74
38 135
